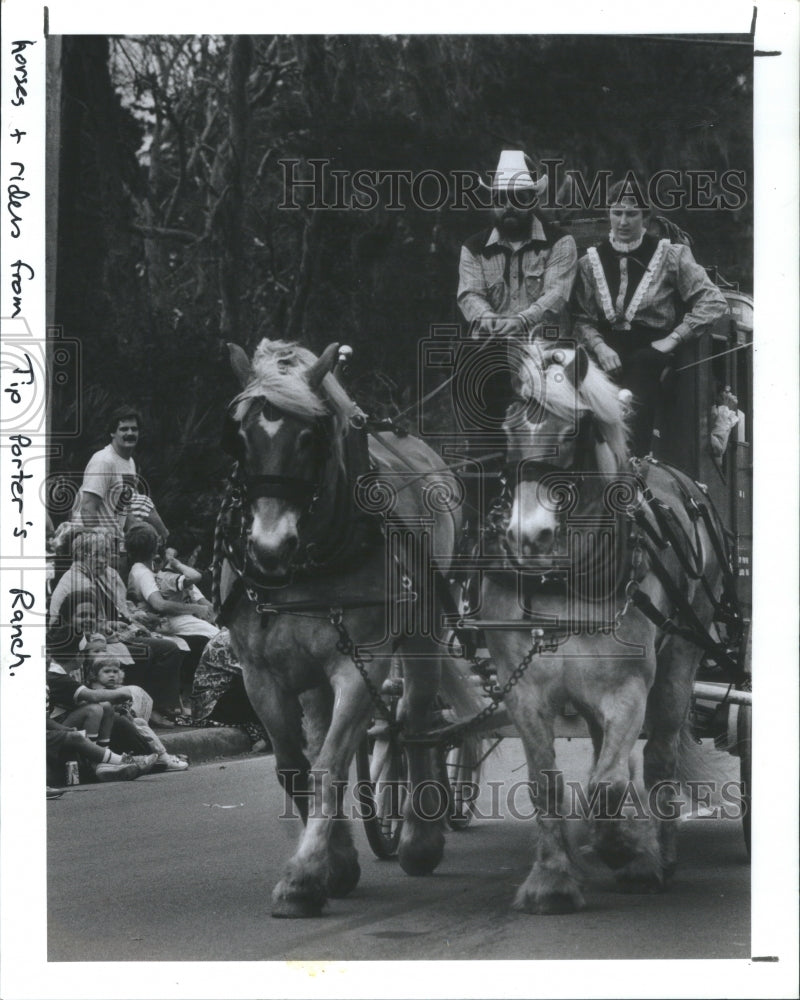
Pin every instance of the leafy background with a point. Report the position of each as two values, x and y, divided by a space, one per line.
171 240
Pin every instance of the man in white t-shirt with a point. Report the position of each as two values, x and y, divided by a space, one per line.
109 480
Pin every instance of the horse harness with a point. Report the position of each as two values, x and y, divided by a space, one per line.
356 532
648 538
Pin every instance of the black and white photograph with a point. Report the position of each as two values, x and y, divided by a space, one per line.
399 459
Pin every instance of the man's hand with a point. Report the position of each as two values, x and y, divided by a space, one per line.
726 398
667 344
508 327
204 611
146 618
607 357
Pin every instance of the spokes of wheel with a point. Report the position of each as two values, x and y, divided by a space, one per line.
463 767
381 790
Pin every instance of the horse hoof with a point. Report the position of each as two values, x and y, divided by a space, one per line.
640 877
567 900
290 904
421 859
342 881
421 847
414 863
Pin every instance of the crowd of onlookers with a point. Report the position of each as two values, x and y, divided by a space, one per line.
132 644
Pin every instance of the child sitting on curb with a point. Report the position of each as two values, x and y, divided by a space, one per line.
104 673
65 743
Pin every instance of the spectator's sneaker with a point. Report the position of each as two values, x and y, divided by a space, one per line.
169 762
144 763
126 771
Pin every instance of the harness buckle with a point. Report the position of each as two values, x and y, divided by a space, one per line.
631 588
537 639
335 617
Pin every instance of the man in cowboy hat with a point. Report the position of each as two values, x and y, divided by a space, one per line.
516 278
515 282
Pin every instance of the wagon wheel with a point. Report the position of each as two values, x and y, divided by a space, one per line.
462 767
744 739
382 787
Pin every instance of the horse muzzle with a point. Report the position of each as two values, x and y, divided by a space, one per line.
532 528
273 541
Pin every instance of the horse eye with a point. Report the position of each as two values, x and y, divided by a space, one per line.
305 438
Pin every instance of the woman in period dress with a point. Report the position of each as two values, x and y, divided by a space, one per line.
637 298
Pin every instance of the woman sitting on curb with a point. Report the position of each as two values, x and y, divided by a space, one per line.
190 619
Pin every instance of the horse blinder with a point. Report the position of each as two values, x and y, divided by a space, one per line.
231 441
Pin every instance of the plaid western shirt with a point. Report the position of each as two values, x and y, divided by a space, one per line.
532 282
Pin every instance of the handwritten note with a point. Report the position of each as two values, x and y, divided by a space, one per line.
23 367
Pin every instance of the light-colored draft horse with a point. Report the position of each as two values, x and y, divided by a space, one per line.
300 540
583 521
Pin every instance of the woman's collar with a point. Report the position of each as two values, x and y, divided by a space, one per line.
622 247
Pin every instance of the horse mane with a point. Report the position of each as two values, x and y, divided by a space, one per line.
596 394
279 370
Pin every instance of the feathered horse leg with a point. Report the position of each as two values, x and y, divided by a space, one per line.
422 836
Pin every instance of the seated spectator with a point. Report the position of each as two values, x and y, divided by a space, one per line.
191 620
218 693
72 704
152 662
105 673
91 569
77 624
65 743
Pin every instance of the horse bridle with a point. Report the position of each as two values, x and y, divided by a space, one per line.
582 464
291 488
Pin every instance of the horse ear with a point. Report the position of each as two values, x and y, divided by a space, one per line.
322 366
240 364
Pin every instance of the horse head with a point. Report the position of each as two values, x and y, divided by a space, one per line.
567 421
281 432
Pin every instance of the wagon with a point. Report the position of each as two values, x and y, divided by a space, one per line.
722 701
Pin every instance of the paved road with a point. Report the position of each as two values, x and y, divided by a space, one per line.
156 869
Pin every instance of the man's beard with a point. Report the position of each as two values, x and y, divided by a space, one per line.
514 226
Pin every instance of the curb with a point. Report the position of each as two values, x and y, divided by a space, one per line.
206 743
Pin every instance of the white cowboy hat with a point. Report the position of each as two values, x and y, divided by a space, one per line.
514 174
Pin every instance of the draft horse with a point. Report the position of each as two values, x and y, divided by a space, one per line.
305 576
612 561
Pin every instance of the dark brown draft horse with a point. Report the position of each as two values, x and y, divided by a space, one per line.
611 559
305 573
